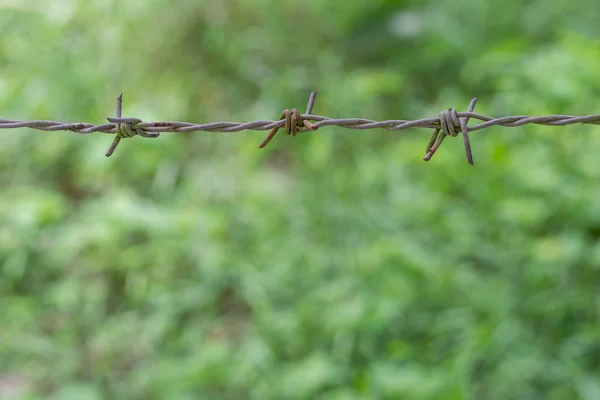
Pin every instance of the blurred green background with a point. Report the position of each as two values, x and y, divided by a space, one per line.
333 265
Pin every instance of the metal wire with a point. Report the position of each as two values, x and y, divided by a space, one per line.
449 121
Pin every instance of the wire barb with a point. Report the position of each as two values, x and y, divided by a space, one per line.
465 132
126 127
117 139
293 122
447 123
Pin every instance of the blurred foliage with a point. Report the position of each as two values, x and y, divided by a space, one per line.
334 265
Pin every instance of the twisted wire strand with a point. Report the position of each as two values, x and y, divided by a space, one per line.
449 121
265 125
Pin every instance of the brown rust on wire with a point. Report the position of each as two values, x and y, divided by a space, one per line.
294 122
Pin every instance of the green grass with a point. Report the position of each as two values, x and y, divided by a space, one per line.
332 265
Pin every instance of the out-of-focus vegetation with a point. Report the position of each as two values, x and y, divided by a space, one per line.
333 265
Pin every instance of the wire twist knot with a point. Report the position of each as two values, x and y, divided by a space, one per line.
125 128
450 125
449 122
293 122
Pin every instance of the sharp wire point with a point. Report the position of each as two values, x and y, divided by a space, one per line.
117 138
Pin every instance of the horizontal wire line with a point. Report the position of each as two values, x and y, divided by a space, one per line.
449 121
264 125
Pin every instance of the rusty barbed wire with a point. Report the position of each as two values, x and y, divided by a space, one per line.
448 123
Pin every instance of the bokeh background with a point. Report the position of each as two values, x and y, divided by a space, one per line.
333 265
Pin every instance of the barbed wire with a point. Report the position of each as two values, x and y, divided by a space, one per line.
448 123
